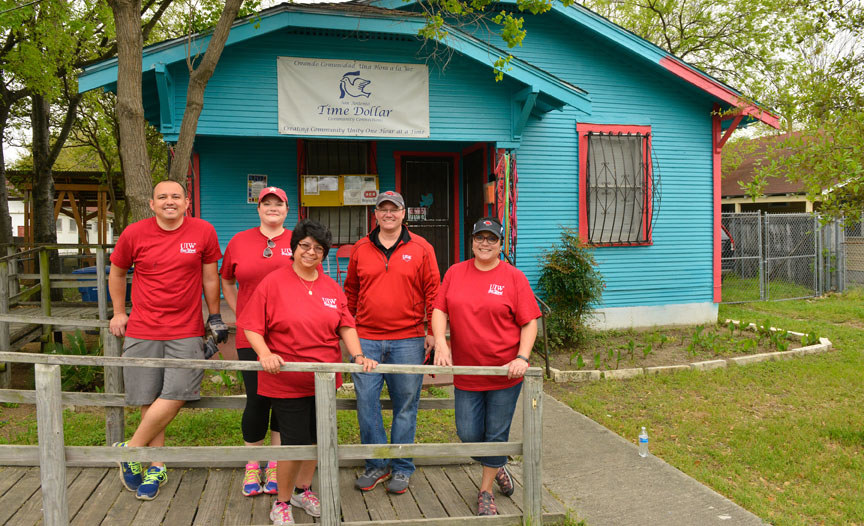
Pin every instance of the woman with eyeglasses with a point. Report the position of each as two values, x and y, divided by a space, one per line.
251 255
493 322
298 314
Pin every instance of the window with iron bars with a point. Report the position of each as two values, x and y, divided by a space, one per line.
348 224
618 186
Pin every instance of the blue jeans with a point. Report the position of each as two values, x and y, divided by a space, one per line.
404 392
485 416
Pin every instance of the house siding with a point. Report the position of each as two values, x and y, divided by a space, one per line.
676 268
241 97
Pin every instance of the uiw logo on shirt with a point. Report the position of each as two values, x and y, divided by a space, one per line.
287 252
329 302
406 257
497 290
188 248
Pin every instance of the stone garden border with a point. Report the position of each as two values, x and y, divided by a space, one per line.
824 345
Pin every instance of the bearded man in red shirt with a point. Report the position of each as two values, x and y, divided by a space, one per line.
391 283
175 257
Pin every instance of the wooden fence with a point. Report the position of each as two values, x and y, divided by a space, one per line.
53 455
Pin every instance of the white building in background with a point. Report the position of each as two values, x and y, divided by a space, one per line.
67 230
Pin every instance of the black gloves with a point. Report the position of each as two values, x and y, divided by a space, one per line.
210 348
218 328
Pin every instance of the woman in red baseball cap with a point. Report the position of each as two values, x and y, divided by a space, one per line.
251 255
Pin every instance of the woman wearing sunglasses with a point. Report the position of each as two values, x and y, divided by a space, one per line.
493 322
251 255
298 314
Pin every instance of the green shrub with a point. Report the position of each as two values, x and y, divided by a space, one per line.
80 378
572 287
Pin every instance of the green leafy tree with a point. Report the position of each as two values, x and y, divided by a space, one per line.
802 58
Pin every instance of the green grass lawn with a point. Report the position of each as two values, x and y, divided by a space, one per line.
783 439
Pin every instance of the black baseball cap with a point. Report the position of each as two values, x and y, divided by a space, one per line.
488 224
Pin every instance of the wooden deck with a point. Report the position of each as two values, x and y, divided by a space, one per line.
439 495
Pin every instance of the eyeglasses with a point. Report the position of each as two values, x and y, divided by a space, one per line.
269 250
386 211
480 238
309 246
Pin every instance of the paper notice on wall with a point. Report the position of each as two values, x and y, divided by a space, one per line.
328 184
360 190
310 185
254 184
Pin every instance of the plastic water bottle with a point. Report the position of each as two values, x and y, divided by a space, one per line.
643 443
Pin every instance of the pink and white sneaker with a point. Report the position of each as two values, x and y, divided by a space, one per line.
308 501
280 514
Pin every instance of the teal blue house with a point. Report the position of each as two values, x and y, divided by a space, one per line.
591 127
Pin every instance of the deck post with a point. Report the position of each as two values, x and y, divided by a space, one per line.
45 294
15 286
115 417
328 456
101 284
532 449
52 455
5 344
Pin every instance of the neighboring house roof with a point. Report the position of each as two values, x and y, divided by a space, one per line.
645 50
755 152
554 92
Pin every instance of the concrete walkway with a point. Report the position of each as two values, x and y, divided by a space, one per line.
602 478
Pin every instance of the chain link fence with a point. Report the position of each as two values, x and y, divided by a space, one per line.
781 257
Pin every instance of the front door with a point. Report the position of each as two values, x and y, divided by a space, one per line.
472 191
426 186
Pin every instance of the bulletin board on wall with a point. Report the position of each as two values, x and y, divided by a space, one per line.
339 190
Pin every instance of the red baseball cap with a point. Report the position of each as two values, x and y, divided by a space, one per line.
278 192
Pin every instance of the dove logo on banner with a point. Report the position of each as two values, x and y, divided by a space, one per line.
352 84
352 98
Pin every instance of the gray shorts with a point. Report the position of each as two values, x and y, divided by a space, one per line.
145 384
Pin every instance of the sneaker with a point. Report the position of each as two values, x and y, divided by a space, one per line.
308 501
505 481
153 478
486 504
130 472
252 480
370 478
398 483
280 514
270 486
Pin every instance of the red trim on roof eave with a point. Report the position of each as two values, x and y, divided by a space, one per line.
678 69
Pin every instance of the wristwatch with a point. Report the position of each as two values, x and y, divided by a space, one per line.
354 357
522 358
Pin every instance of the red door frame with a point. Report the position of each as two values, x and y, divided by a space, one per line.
454 220
194 175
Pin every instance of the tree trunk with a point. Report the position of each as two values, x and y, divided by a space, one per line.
130 108
6 233
44 225
198 79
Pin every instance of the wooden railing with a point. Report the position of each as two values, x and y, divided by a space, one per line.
53 454
10 294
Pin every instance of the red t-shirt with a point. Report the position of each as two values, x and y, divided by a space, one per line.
487 311
297 326
166 283
244 261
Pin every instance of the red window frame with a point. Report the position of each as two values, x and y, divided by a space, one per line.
582 130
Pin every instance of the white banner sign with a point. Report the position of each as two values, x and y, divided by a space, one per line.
352 98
